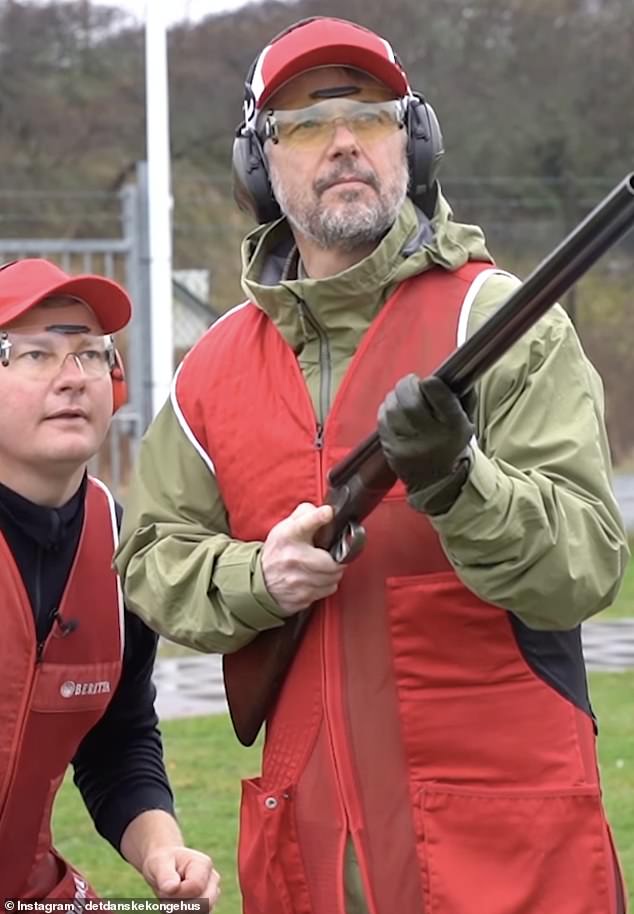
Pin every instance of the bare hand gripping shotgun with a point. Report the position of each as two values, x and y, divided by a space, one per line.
254 674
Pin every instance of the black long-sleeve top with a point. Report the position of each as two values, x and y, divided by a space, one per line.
118 765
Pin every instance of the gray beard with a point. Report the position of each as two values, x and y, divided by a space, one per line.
346 229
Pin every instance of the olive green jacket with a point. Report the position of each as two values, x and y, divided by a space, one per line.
536 528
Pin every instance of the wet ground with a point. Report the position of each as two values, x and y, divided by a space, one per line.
624 491
192 685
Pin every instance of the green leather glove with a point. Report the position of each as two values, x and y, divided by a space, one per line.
425 431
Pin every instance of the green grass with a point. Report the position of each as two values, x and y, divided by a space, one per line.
205 765
613 699
623 606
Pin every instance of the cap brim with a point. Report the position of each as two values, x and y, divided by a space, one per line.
337 55
106 298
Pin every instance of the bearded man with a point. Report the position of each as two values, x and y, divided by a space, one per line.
432 747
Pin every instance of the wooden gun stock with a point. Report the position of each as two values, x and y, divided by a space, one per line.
254 675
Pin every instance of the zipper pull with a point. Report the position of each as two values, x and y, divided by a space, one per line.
319 437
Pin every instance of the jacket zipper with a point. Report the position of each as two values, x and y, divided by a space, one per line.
325 382
37 607
325 372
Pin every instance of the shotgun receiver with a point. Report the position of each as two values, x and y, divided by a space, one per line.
254 674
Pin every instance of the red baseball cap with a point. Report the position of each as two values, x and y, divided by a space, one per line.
324 42
25 283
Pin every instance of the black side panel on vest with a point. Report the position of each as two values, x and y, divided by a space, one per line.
557 658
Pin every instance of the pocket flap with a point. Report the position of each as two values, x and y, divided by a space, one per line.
519 851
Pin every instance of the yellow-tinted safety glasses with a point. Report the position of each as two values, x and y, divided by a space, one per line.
314 126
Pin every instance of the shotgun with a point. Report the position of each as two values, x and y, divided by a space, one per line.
254 674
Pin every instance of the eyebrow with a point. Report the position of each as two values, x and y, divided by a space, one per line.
43 336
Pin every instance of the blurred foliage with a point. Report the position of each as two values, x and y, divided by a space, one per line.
539 89
534 100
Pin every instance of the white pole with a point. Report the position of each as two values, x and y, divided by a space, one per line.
159 201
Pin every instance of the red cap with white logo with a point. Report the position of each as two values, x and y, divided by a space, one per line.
324 42
25 283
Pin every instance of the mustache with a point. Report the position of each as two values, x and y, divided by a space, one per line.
344 172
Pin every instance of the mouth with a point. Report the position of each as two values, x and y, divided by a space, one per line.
342 180
349 180
70 414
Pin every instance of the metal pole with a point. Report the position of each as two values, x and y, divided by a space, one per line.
159 202
145 307
136 342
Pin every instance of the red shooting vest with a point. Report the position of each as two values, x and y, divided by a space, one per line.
409 719
48 705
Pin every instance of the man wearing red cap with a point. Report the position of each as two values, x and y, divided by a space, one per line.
432 748
75 666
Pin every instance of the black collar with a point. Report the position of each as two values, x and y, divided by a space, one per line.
47 526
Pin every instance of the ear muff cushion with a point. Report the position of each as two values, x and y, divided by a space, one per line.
424 150
251 185
119 386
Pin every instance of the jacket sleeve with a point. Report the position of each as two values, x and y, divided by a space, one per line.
182 572
536 528
119 766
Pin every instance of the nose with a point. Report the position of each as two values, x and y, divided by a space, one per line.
71 372
343 140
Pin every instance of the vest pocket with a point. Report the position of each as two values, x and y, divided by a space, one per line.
521 851
269 861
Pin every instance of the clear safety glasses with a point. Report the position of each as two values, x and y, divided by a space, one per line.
40 356
314 126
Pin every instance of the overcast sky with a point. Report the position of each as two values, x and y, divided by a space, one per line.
177 10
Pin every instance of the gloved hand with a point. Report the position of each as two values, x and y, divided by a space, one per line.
425 431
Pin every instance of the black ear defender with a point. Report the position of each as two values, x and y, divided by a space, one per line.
252 189
425 150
